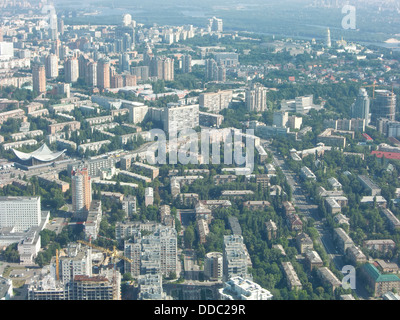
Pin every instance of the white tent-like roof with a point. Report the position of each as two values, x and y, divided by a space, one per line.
43 154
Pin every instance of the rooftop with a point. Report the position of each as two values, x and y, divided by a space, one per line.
42 154
374 273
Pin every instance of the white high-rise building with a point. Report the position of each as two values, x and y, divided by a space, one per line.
236 259
177 117
51 66
71 70
360 108
256 98
77 262
6 50
126 20
20 213
215 24
81 191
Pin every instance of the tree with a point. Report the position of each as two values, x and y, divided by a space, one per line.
189 237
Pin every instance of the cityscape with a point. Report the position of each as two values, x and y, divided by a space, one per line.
161 151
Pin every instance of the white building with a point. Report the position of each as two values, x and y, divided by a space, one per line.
77 262
29 246
149 196
238 288
21 213
177 117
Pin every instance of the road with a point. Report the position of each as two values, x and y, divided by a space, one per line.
307 209
310 210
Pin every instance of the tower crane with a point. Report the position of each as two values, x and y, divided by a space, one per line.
374 85
112 253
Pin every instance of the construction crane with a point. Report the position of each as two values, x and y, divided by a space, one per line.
113 255
373 88
57 265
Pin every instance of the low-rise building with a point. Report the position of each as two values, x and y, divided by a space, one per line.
328 278
292 280
313 260
371 187
392 220
355 255
378 282
271 229
238 288
307 174
382 245
342 239
304 242
256 205
224 178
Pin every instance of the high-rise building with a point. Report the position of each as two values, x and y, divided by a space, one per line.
56 47
124 62
129 80
132 250
216 101
78 261
81 190
126 20
103 74
91 74
235 257
71 70
83 62
280 119
256 98
211 69
215 24
53 32
60 26
6 50
51 66
214 72
97 287
39 78
129 205
141 73
117 81
186 63
360 107
20 213
384 105
213 266
177 117
162 68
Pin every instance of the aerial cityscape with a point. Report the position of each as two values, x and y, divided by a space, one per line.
218 150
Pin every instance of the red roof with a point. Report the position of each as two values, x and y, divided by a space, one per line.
366 136
387 155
